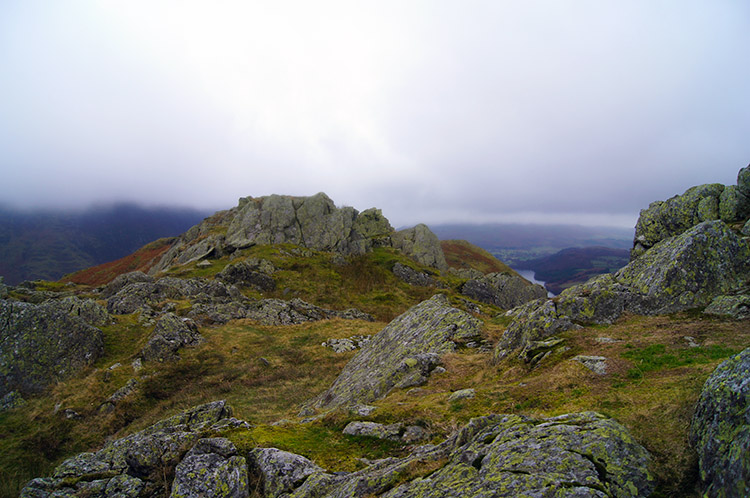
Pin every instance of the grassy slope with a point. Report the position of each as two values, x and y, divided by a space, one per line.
461 254
141 260
654 381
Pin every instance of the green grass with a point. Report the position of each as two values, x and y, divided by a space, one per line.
656 357
321 442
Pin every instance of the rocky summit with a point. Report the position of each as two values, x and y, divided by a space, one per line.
361 361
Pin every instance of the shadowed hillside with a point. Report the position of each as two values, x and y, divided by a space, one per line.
49 244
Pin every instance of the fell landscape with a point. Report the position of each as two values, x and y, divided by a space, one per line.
424 249
290 347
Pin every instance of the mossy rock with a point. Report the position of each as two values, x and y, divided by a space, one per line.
402 354
41 344
720 430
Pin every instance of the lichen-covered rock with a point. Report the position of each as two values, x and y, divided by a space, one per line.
279 471
734 205
531 323
347 343
136 295
420 244
720 430
295 311
313 222
3 289
170 334
688 270
743 181
41 344
664 219
212 468
682 272
597 364
467 393
499 456
391 432
87 310
270 312
123 280
503 290
136 464
413 277
581 455
402 354
11 400
737 307
251 273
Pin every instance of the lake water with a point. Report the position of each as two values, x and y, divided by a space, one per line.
529 275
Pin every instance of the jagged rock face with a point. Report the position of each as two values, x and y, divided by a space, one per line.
313 222
212 468
679 273
402 354
577 455
170 334
134 465
664 219
422 245
41 344
720 429
502 290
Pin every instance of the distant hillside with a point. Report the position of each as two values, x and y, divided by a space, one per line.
461 254
576 265
48 244
515 243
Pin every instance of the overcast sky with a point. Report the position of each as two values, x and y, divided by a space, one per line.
577 111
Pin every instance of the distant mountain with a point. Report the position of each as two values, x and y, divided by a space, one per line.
49 244
576 265
516 243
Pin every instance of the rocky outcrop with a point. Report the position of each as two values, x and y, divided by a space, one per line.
310 222
403 354
737 307
136 465
682 272
249 273
170 334
41 344
581 455
720 430
413 277
420 244
502 290
391 432
137 295
664 219
278 472
271 312
124 280
212 468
